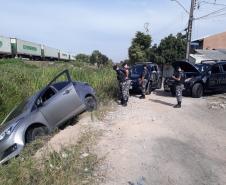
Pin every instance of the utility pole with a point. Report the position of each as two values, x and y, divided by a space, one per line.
189 30
218 12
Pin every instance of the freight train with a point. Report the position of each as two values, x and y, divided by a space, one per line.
13 48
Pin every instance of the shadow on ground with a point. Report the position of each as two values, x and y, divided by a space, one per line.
73 121
162 102
162 93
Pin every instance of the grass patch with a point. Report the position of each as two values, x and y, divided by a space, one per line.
72 165
21 79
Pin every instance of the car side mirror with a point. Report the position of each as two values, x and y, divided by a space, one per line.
39 102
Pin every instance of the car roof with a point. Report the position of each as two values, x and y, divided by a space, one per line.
143 63
213 62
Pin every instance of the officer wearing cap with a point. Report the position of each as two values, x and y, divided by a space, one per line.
179 85
122 79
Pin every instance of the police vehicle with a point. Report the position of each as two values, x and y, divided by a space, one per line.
208 76
154 77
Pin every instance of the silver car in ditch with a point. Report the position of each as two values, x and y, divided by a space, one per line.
42 113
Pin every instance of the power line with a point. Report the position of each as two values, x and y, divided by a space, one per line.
209 3
191 19
181 5
215 16
209 14
203 2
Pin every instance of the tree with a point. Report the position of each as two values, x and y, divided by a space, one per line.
143 40
99 59
139 49
126 61
172 48
83 58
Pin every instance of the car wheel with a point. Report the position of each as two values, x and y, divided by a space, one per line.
197 90
35 133
90 103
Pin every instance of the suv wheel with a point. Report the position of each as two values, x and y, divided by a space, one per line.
197 90
35 133
91 103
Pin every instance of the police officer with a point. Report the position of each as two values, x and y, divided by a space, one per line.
143 81
128 81
121 77
179 78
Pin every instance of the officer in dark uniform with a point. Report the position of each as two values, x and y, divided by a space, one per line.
143 81
121 77
179 84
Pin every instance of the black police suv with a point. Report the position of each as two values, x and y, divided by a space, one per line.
209 75
154 77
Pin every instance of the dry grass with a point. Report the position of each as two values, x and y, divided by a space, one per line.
72 165
68 167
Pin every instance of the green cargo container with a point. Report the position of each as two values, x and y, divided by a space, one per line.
26 48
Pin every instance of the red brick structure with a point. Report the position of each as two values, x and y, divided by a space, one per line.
217 41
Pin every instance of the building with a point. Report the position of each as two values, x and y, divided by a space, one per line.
217 41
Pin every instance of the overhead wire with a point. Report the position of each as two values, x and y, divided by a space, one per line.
215 16
211 3
181 5
212 13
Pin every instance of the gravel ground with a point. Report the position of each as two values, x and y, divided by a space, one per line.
151 143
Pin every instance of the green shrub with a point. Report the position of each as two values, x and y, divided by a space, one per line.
19 80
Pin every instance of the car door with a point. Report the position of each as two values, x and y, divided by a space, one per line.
215 77
223 76
64 104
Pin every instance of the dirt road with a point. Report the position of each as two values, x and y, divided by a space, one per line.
151 143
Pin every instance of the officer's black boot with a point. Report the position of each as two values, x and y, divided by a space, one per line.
178 105
124 103
142 96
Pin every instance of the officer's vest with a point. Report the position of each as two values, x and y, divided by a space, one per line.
121 76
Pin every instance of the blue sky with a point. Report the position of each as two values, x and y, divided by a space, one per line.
81 26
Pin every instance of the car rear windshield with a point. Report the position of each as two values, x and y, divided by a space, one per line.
22 107
137 69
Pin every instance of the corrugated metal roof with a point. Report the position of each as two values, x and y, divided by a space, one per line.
197 58
222 50
213 54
